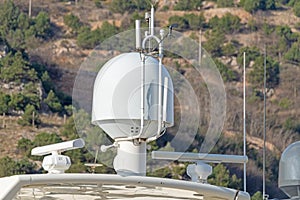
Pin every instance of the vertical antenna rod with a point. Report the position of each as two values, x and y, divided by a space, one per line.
29 9
152 21
264 133
200 47
138 34
244 110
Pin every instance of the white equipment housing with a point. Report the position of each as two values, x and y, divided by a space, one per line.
117 97
289 176
199 172
56 163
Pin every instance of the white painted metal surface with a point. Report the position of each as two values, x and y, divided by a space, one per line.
131 158
115 187
59 147
193 157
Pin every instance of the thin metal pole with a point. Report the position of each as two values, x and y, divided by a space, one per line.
200 47
264 133
244 110
142 93
29 9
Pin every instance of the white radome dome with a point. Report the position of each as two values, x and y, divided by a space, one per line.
117 97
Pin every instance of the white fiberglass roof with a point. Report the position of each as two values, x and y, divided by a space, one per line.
107 186
114 192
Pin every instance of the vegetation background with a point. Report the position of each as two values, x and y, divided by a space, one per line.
41 51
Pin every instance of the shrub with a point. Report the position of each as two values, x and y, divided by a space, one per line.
221 177
25 145
257 196
28 117
256 76
293 53
228 23
17 102
251 54
181 21
284 103
226 73
215 41
8 167
195 22
225 3
4 102
188 5
42 25
73 22
98 3
89 39
53 102
254 5
121 6
296 9
46 138
229 49
292 124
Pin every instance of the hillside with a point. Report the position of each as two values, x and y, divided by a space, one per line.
60 35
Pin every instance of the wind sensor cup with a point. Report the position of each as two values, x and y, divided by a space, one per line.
133 101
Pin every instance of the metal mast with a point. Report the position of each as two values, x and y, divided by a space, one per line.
244 113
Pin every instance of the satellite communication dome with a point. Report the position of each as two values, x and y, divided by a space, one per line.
289 170
117 96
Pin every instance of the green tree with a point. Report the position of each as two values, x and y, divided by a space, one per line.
182 22
121 6
17 102
23 21
4 102
25 145
293 53
46 81
86 39
254 5
229 49
228 23
69 129
8 167
42 25
98 3
9 14
225 3
28 116
296 8
226 73
44 138
215 41
24 166
53 102
188 5
251 54
73 22
15 67
107 30
89 39
270 4
221 177
32 94
257 196
256 76
195 22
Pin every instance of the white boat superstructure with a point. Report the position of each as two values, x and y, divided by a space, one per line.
104 186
